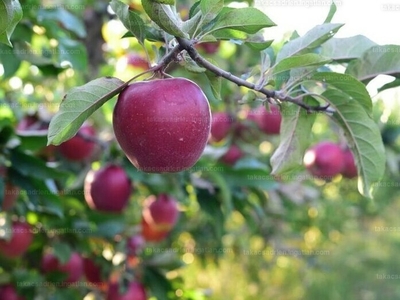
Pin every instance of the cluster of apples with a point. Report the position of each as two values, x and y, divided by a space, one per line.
328 159
224 124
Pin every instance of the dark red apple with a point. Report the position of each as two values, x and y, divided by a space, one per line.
220 126
137 61
324 160
92 272
79 147
233 154
268 121
159 216
349 168
134 291
73 268
107 189
11 193
209 47
151 232
162 125
8 292
135 244
21 239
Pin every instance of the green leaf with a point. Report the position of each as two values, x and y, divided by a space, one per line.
258 46
305 60
78 104
131 20
390 85
215 84
191 65
24 51
9 61
375 61
345 49
224 191
157 283
348 85
164 17
62 251
295 138
110 229
68 20
210 9
248 20
363 137
29 165
331 13
10 15
74 52
311 40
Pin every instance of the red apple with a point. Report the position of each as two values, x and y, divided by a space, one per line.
137 61
107 189
92 272
162 125
268 121
73 268
79 147
135 244
11 193
21 239
233 154
159 216
220 126
349 168
8 292
324 160
209 47
134 291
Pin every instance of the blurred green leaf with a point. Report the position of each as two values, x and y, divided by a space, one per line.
78 104
31 166
110 229
62 251
157 283
74 52
68 20
9 61
10 15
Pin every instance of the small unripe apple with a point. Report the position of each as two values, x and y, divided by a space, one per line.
233 154
268 121
107 189
135 244
79 147
324 160
220 126
137 61
134 291
349 168
21 239
73 268
162 125
8 292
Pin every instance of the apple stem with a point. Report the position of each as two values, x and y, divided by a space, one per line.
186 44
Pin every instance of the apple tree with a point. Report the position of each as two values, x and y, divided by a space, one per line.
135 134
